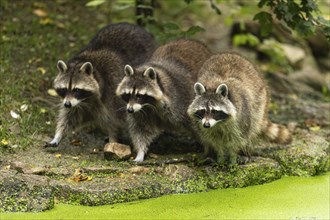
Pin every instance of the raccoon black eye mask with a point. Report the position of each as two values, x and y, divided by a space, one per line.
217 115
77 93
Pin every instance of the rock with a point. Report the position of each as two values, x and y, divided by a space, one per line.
117 151
308 155
295 55
24 193
310 76
319 44
178 171
139 169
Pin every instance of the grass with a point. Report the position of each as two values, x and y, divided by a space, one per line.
34 35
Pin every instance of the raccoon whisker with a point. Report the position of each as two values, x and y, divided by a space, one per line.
152 107
143 112
121 108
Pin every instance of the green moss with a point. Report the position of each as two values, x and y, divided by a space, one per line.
300 164
288 198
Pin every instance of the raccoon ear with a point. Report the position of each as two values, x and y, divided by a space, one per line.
128 70
222 90
151 73
87 68
199 88
61 66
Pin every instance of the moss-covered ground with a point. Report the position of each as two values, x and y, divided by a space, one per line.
288 198
35 34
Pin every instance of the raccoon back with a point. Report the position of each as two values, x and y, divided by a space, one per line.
131 42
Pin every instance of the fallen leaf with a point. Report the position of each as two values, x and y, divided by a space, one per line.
24 107
46 21
51 92
58 155
4 142
14 114
60 25
40 12
79 176
315 128
311 122
41 70
76 143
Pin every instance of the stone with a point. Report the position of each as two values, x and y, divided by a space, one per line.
139 169
24 192
117 151
295 55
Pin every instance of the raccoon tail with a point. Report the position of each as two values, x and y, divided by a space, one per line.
277 133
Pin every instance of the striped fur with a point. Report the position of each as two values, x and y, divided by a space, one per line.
87 82
158 92
277 133
230 109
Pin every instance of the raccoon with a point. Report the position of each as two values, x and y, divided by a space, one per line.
157 92
88 81
230 109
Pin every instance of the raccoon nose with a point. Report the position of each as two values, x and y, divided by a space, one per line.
207 125
130 109
67 104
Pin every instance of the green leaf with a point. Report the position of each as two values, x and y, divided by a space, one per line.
215 8
95 3
266 22
262 3
193 30
171 26
188 1
323 21
245 39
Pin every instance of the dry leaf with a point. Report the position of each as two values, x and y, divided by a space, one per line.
14 114
46 21
76 143
24 107
315 128
4 142
40 12
41 70
51 92
79 176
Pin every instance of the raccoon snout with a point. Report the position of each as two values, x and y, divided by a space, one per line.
130 109
67 104
207 125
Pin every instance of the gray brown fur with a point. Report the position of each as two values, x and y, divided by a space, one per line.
97 69
167 77
245 107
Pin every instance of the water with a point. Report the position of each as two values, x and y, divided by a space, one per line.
303 198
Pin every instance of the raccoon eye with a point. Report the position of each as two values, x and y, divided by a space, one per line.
126 97
145 99
200 113
61 92
81 94
219 115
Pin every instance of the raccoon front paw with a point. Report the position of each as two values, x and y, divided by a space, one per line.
53 143
139 157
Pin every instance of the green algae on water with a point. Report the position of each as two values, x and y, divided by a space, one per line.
288 198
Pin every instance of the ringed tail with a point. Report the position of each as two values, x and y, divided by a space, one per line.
277 133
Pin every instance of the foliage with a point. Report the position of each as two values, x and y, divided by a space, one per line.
298 17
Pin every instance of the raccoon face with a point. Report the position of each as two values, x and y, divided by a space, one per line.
210 108
75 85
139 89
